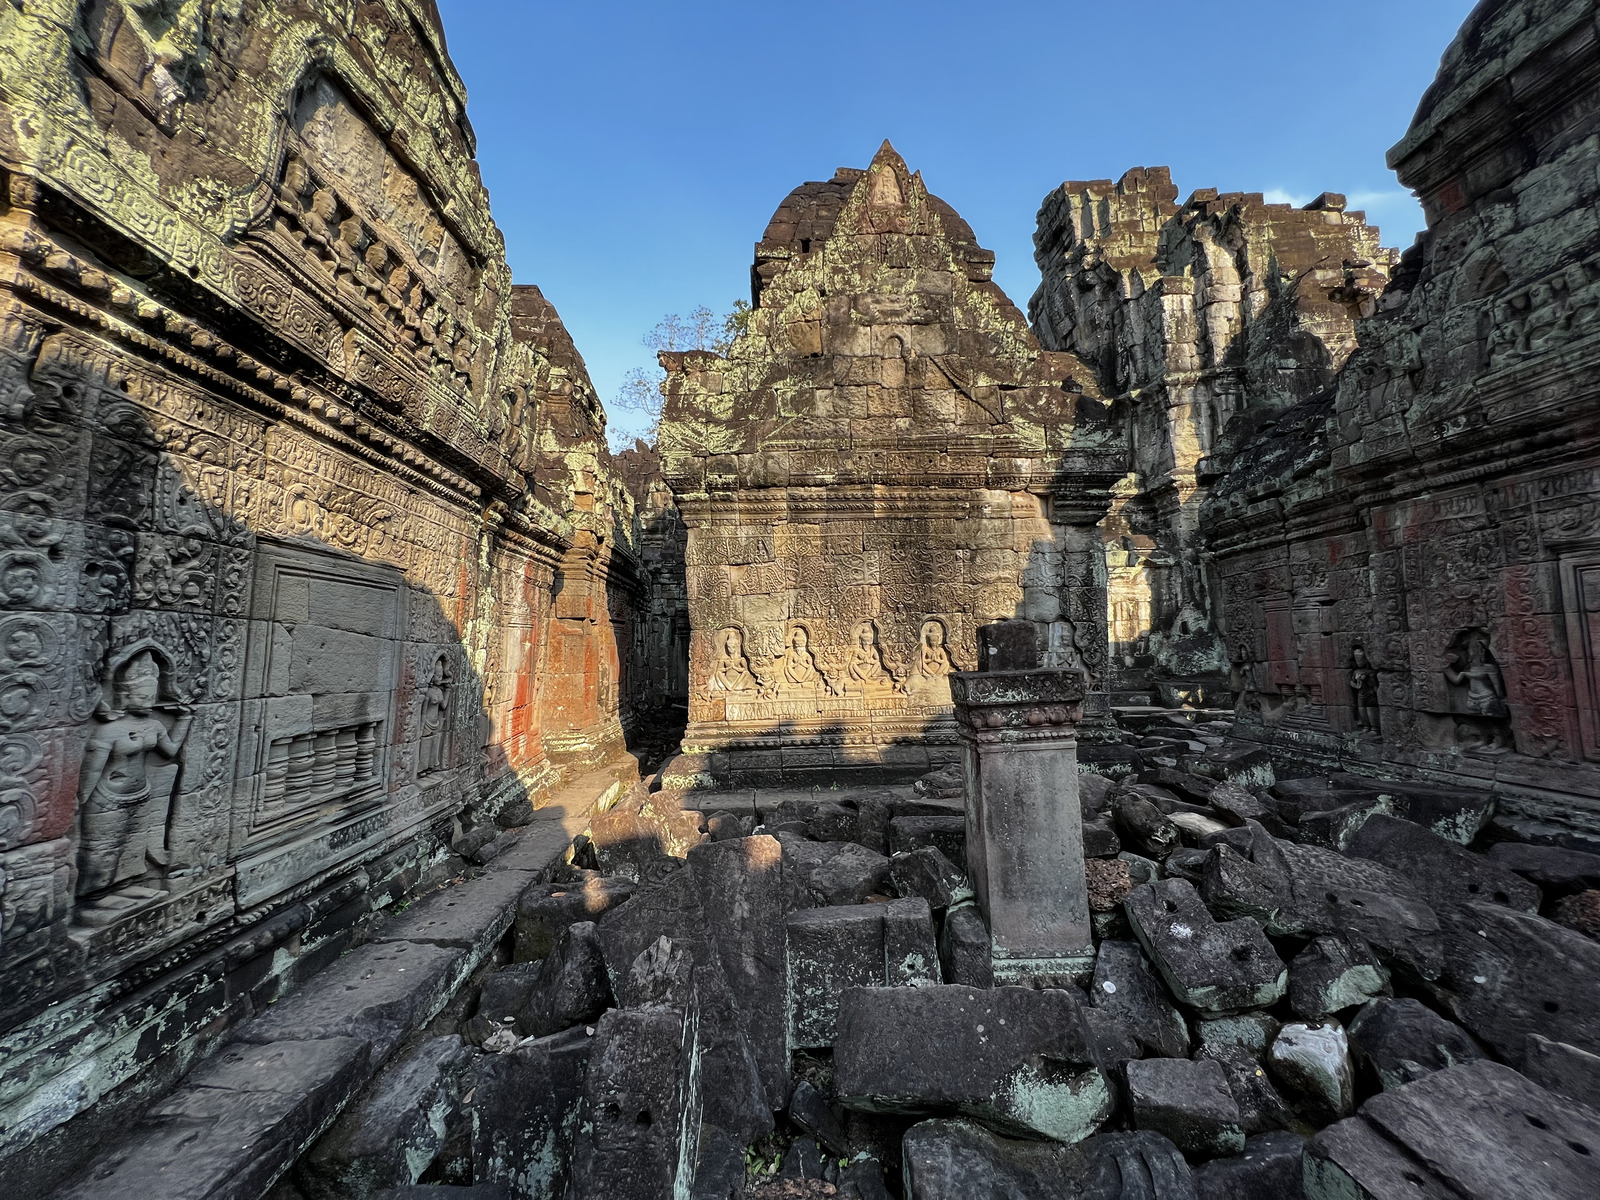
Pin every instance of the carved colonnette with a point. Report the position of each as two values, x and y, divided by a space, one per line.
1408 558
884 461
280 560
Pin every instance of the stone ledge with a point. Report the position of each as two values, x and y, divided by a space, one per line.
240 1119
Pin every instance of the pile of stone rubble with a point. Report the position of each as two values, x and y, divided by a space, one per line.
1329 985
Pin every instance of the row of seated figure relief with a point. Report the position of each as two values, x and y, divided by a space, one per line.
860 671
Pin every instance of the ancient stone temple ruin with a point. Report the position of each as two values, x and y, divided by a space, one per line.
1149 753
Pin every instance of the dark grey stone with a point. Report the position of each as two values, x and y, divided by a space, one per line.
446 1191
526 1105
827 950
1508 974
393 1130
835 872
959 1160
1125 985
1260 1106
572 987
1141 825
1563 1069
1401 1040
964 951
1548 866
1143 1165
810 1112
545 910
805 1161
1100 839
927 873
1217 967
1479 1131
1252 1030
1311 1062
1443 873
720 1172
866 1176
1269 1169
1113 1041
1186 863
1187 1102
948 834
1332 974
1018 1059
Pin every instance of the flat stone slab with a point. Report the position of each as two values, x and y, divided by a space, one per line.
827 950
1187 1102
1213 966
960 1160
1446 874
470 916
1479 1131
235 1125
1017 1059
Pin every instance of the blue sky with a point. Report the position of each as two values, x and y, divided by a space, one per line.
634 152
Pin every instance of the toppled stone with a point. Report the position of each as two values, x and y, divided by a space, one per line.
1217 967
1580 912
1185 785
1195 826
1143 826
1442 872
1401 1040
1094 794
1018 1059
960 1160
1188 1102
1123 984
1563 1069
394 1131
810 1112
835 872
827 950
638 1134
964 951
1313 1063
1238 806
1186 863
943 783
1508 974
1143 1165
1243 766
1260 1106
804 1161
927 873
746 887
1109 882
720 1172
1112 1039
548 908
1100 839
946 834
1479 1131
1548 866
1252 1030
1269 1169
572 985
630 838
1332 974
725 827
526 1104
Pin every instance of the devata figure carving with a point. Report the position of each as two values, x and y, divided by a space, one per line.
930 669
797 670
115 779
864 669
731 672
435 712
1479 690
1363 689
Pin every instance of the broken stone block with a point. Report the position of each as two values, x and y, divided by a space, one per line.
948 835
1332 974
720 1172
394 1130
1017 1059
1143 826
1142 1165
572 986
1238 806
1563 1069
804 1161
1252 1030
1109 882
1479 1131
827 950
1401 1040
1580 912
669 906
1213 966
1243 766
1113 1041
525 1113
927 873
1094 794
638 1134
1260 1106
725 827
1442 872
810 1112
1186 785
1312 1062
1186 863
746 887
1100 839
1194 827
964 947
1187 1102
1124 984
1269 1169
1548 866
638 832
835 872
960 1160
546 909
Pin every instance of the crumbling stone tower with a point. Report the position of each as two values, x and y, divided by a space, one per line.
885 460
1207 319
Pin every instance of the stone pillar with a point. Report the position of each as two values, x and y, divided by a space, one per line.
1024 828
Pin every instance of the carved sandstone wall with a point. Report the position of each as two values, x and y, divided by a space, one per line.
309 542
885 461
1410 560
1205 320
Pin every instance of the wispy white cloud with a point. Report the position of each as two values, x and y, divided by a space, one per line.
1280 196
